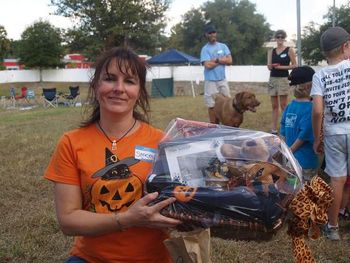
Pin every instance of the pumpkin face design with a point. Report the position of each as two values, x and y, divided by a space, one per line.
115 195
117 187
184 193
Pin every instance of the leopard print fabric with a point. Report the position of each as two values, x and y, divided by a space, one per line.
309 211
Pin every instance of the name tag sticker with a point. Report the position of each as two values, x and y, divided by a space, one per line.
145 154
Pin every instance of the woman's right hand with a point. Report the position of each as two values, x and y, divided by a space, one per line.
141 214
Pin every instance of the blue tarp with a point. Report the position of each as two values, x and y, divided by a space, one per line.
173 56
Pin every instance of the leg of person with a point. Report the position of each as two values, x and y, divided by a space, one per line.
283 92
273 92
344 213
337 184
283 102
275 114
336 168
210 89
223 88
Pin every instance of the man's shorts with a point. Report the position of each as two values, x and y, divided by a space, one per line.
337 149
214 87
278 86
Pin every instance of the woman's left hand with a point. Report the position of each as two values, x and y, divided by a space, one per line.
141 214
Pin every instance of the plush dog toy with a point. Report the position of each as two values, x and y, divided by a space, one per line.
250 150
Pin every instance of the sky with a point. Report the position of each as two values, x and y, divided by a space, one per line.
17 15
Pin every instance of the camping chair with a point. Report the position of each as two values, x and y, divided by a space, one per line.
24 92
30 95
14 97
50 97
73 95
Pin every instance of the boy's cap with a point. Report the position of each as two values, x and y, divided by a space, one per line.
209 29
301 75
333 37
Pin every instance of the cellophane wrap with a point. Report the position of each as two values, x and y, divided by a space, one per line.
226 178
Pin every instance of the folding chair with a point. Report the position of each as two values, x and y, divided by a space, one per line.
30 96
24 92
50 97
73 95
13 96
15 99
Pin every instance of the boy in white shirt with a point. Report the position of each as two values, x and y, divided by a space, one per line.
331 97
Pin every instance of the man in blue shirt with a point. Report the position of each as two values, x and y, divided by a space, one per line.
214 56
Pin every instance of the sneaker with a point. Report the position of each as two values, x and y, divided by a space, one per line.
332 233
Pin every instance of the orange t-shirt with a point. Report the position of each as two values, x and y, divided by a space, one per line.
110 181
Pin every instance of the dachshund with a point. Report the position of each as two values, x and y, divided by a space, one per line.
229 111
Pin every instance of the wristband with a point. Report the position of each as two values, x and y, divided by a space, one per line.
217 60
120 227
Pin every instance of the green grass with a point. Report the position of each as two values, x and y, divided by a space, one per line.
28 227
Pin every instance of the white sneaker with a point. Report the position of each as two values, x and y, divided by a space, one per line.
332 233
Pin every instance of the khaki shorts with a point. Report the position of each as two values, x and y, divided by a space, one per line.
278 86
337 148
214 87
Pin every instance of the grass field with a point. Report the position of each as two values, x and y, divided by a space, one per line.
28 227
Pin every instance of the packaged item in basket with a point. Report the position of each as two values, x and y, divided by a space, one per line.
226 178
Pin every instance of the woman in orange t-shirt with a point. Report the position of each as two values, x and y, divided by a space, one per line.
99 169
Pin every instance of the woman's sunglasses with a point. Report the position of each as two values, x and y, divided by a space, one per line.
280 37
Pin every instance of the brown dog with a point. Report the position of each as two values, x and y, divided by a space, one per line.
229 111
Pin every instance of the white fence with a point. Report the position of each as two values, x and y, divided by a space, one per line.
179 73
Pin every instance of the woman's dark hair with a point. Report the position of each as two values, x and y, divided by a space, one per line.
281 32
128 63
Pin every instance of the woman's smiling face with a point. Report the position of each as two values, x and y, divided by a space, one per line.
118 89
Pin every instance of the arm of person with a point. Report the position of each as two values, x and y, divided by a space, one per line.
209 64
296 145
226 60
317 113
293 61
269 59
74 221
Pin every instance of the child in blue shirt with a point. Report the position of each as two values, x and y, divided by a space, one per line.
296 122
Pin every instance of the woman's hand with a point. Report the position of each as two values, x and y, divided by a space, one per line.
272 66
142 215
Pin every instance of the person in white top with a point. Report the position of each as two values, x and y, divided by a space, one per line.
331 99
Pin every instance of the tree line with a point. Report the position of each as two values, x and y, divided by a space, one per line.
101 24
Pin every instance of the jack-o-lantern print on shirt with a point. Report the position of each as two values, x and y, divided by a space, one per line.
117 187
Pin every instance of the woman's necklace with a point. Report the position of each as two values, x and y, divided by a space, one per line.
114 142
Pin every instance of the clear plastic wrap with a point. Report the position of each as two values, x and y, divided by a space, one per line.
230 179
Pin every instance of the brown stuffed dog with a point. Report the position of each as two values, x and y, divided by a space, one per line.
229 111
250 150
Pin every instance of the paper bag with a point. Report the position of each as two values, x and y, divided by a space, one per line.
190 247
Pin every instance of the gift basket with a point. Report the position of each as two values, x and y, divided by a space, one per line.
239 182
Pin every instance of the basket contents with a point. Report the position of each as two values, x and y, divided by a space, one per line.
225 178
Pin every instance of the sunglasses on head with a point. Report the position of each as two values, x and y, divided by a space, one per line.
213 32
280 37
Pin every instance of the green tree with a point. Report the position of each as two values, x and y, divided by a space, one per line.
238 25
14 48
40 46
310 47
101 24
4 43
